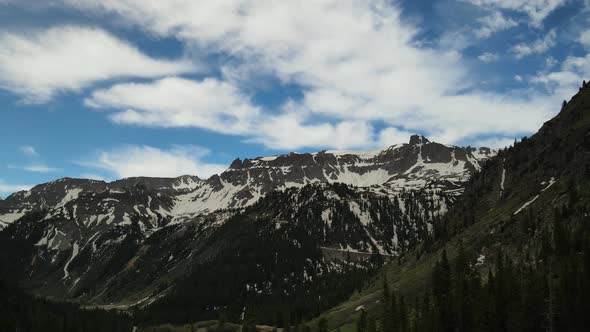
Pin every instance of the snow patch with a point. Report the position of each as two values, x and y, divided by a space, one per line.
74 254
9 218
364 217
551 182
71 194
480 260
525 205
502 181
326 217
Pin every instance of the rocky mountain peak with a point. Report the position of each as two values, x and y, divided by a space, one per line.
418 139
419 165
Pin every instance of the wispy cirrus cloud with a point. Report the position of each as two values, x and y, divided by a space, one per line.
40 169
493 23
37 168
536 10
538 46
28 150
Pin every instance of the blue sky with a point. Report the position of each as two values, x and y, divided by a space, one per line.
117 88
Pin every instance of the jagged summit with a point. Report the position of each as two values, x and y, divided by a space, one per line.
294 158
418 139
415 165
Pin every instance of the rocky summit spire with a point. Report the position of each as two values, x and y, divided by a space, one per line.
418 139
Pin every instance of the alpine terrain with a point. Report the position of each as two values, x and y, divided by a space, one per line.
303 230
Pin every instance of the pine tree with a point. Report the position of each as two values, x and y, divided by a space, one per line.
387 322
361 324
402 315
371 324
442 292
323 325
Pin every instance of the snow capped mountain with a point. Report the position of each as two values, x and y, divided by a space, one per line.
57 194
420 164
86 239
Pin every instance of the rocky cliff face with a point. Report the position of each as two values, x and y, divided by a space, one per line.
418 165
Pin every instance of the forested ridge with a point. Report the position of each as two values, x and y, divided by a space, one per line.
513 254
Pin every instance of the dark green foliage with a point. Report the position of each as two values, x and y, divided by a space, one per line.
516 296
361 324
323 325
22 312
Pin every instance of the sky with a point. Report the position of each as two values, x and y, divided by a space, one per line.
107 89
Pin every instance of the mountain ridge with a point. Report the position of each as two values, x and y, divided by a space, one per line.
402 166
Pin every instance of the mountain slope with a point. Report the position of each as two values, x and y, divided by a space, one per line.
528 207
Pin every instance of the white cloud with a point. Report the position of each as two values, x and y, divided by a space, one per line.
518 78
92 176
537 10
40 169
550 62
288 131
567 78
219 106
145 160
538 46
585 39
356 61
390 136
494 23
40 64
7 189
488 57
495 142
177 102
37 168
28 150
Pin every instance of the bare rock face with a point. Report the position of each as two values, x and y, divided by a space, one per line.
414 166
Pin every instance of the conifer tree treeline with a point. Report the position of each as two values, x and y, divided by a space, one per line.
551 294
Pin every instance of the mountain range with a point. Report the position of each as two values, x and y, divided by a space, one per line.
285 239
131 241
